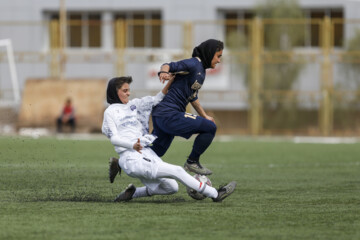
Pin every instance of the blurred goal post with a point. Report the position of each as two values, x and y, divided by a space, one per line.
15 101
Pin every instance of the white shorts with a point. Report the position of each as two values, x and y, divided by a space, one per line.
145 167
138 165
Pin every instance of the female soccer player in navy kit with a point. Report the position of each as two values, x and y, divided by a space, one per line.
169 116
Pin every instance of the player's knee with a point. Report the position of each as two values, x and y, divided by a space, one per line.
171 186
208 126
179 171
212 128
174 187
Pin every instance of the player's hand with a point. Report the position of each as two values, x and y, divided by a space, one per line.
165 76
147 140
137 146
210 118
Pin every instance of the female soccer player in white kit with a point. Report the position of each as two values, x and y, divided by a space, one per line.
126 124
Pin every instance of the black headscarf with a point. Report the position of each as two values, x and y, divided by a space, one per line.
111 92
206 51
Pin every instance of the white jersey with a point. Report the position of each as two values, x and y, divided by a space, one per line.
124 124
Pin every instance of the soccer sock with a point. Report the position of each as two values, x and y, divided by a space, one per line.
191 161
201 143
210 192
141 192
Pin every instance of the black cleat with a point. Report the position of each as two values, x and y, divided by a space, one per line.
114 168
127 194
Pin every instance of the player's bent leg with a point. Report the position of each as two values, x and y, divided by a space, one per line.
206 130
158 148
161 186
141 192
163 140
201 143
169 186
162 144
166 186
167 170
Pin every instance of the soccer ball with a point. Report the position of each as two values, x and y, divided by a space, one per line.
194 194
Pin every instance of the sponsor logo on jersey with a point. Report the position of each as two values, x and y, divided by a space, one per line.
196 85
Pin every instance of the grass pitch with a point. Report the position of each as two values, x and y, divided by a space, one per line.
59 189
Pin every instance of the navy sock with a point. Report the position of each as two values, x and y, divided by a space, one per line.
191 161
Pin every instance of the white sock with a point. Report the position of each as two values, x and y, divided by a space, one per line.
210 192
141 192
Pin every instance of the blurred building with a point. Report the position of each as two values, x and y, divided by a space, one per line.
115 37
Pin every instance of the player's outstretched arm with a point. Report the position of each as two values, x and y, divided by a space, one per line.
167 86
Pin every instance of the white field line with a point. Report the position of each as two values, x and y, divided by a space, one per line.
327 140
296 139
42 132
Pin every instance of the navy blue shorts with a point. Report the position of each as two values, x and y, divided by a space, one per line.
179 124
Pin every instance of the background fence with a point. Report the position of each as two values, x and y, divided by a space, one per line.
278 76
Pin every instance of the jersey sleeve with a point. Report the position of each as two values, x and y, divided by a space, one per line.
108 126
146 104
109 129
195 98
144 107
183 65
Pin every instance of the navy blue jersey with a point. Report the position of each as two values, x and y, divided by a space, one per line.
184 89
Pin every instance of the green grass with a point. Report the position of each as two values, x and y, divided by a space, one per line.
58 189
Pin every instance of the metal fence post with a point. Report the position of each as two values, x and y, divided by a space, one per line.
326 105
255 111
187 45
62 39
120 33
188 37
54 49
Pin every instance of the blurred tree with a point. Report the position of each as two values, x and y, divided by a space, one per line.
278 36
237 42
281 37
281 112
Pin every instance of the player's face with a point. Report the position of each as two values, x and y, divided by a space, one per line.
124 93
216 59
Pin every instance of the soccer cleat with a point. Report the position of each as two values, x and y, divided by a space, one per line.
127 194
225 191
197 168
114 168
